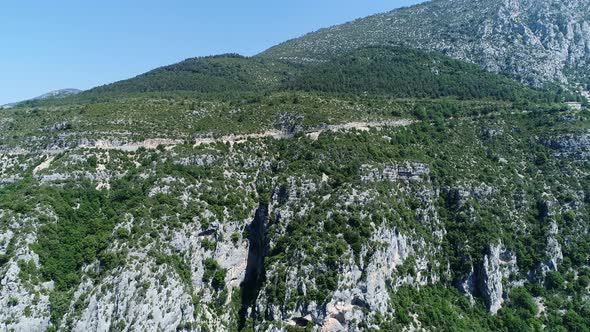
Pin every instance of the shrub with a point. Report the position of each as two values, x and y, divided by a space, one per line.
555 280
13 301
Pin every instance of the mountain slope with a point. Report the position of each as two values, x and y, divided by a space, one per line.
407 73
222 73
396 72
470 223
58 94
53 94
534 41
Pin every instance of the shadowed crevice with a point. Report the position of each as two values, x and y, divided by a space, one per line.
255 272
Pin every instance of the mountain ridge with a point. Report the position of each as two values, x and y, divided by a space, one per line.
396 72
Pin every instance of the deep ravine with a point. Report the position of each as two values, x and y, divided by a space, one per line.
257 252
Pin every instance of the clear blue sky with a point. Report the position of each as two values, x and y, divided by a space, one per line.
50 45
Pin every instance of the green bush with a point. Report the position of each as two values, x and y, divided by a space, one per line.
214 274
555 280
13 301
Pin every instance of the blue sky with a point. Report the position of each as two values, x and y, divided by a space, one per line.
50 45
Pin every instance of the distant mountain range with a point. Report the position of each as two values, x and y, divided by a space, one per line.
53 94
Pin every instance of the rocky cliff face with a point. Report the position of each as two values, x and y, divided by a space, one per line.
533 41
364 284
254 245
498 264
572 146
354 213
25 300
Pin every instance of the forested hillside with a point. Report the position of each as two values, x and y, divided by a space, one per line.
214 74
407 73
385 71
538 42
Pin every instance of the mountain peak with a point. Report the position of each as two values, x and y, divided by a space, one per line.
58 94
52 94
